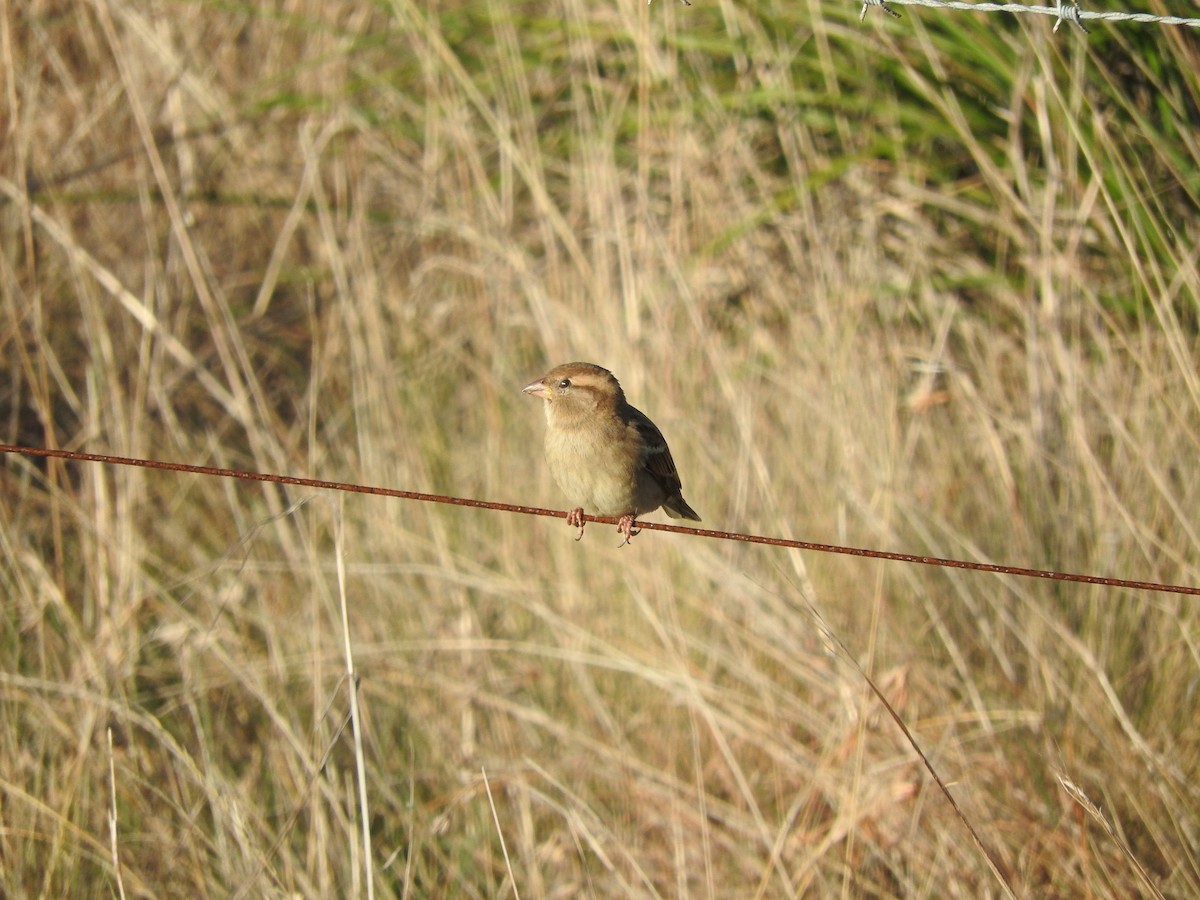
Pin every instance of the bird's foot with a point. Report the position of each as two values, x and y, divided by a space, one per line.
575 519
625 527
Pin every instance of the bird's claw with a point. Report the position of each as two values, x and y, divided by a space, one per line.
625 527
575 519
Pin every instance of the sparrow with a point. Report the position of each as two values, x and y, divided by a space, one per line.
604 454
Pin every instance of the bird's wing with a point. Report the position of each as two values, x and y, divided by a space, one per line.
656 456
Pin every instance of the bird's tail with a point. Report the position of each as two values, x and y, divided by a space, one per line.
677 508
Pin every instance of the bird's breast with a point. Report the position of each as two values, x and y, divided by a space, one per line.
593 470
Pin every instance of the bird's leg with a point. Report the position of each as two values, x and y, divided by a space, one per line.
625 527
575 518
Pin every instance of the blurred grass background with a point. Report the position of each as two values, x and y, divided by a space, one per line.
925 285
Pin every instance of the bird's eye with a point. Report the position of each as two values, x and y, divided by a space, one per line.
564 384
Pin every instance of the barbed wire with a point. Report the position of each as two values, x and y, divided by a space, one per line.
351 487
1062 11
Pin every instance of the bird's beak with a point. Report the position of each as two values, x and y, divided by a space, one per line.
536 389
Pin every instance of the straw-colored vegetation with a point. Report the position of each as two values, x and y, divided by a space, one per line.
925 285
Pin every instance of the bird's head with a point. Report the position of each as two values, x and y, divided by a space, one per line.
575 390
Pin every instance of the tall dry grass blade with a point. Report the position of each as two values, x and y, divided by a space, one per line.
1077 794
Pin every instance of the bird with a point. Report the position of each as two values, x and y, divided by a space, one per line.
605 455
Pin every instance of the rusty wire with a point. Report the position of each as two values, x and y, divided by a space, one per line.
351 487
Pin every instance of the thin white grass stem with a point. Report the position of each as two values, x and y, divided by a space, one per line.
112 816
500 833
355 720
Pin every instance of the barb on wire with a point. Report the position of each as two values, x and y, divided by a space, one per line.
351 487
862 16
1069 12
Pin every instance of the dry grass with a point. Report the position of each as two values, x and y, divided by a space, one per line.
928 285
